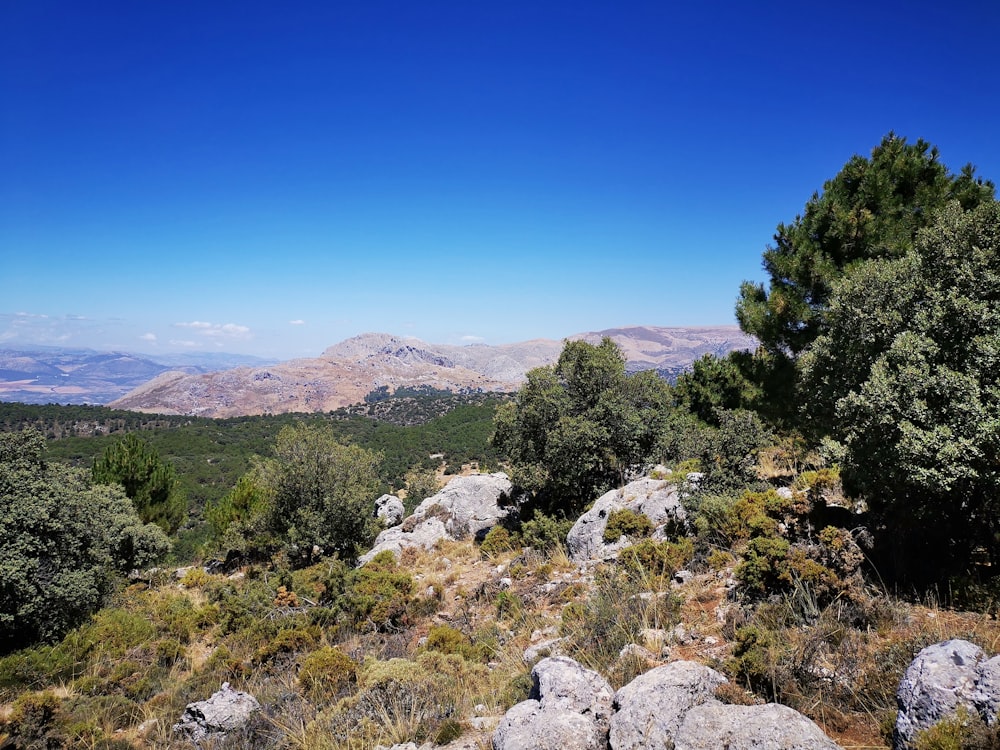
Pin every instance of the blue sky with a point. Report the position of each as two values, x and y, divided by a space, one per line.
270 178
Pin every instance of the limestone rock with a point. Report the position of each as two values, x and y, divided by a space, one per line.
226 711
527 726
425 534
569 707
652 706
712 725
467 505
657 499
564 683
472 505
389 510
941 679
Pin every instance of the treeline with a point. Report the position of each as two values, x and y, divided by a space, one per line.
209 455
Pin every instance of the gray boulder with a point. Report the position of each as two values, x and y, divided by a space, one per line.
226 711
712 725
425 534
389 510
942 679
650 709
657 499
569 707
470 505
467 505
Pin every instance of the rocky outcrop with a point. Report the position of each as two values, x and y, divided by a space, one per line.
941 680
472 505
226 711
569 707
468 505
657 499
672 706
424 534
389 510
712 725
650 709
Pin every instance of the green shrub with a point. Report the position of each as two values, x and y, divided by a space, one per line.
448 640
497 541
625 522
326 674
544 533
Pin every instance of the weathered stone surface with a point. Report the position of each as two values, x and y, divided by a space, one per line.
652 706
467 505
473 504
714 725
657 499
986 696
425 534
569 708
527 726
549 647
226 711
561 682
389 510
941 679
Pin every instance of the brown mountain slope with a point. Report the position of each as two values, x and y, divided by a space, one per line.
347 371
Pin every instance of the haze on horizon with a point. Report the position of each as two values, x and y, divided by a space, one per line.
246 178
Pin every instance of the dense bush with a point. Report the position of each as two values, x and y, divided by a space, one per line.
62 541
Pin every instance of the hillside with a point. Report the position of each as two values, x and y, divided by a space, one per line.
351 369
47 375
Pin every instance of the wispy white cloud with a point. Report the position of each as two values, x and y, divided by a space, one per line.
186 344
218 330
296 322
148 337
470 339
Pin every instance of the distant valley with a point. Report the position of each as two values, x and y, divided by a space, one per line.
346 372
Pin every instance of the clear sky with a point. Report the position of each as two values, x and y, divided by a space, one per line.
272 177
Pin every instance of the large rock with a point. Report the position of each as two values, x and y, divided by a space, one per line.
425 534
652 706
569 708
389 510
226 711
942 679
470 505
657 499
467 505
714 725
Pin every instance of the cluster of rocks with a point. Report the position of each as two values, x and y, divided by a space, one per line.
673 705
467 506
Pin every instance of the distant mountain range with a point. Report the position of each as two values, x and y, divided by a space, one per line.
56 375
346 372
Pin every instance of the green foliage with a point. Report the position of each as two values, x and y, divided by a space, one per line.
625 522
326 674
321 492
497 541
148 481
713 384
420 485
964 730
448 640
61 542
379 594
872 208
580 427
908 376
544 533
